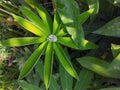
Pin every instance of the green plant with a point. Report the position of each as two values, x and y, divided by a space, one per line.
51 35
69 27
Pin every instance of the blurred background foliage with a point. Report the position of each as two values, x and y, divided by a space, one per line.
108 10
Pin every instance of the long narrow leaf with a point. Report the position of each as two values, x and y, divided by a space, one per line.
28 25
48 64
45 16
97 65
30 63
56 23
22 41
35 19
64 60
102 67
42 12
65 78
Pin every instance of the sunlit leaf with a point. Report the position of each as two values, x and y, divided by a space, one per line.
42 12
67 41
88 45
56 23
85 78
30 63
28 25
97 65
115 49
22 41
61 33
112 28
36 19
93 5
84 16
102 67
48 64
64 60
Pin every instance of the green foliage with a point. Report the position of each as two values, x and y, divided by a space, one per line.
65 78
85 78
112 28
39 29
70 19
72 22
115 49
93 5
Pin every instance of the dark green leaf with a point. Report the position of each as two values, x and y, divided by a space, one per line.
26 86
54 85
85 78
114 67
40 70
66 79
112 28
